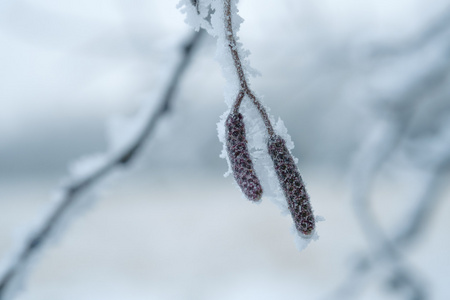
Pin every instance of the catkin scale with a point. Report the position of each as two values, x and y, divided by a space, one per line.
292 184
241 164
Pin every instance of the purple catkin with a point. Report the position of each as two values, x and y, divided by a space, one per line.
241 164
292 184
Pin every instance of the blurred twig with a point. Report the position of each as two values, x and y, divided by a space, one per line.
387 135
410 227
383 140
377 148
73 190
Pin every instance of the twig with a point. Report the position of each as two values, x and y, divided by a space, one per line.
244 87
384 139
376 149
72 192
382 142
410 228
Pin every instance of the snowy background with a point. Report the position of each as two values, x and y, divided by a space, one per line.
173 227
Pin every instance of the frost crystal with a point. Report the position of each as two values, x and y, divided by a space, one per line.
241 164
292 184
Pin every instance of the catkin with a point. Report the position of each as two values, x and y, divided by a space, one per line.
292 184
241 164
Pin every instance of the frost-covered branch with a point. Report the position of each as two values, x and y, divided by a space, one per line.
284 164
385 137
430 154
258 153
389 134
375 151
76 188
240 71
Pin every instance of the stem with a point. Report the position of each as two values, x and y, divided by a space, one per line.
238 101
244 89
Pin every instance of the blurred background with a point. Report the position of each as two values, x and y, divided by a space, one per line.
362 87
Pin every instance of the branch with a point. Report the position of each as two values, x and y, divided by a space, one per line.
73 191
384 139
240 71
288 175
272 150
411 226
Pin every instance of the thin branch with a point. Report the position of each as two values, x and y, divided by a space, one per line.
238 101
377 148
384 139
244 86
379 145
72 192
410 227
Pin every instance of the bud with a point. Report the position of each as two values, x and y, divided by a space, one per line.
292 184
241 164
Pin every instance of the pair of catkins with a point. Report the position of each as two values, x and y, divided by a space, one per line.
287 172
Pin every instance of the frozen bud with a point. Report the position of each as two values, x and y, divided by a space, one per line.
292 184
241 164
